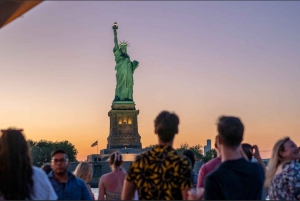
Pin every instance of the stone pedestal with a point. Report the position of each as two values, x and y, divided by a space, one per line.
123 132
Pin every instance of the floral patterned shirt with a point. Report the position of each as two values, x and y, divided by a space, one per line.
286 184
160 174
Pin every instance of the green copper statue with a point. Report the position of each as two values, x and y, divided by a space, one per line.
125 69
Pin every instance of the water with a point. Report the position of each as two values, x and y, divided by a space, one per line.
95 191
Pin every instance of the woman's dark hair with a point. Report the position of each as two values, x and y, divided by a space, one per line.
115 159
247 148
47 168
15 166
190 155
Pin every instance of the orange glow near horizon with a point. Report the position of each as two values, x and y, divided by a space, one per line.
240 59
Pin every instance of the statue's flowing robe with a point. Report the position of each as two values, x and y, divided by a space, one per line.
125 69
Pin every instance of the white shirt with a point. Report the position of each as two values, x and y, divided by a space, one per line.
42 188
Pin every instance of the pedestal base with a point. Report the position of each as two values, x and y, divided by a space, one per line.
123 126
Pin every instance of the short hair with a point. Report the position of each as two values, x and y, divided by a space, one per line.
247 148
166 126
190 155
231 131
59 151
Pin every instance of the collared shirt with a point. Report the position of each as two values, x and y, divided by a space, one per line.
160 174
74 189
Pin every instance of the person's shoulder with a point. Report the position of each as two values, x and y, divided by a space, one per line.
143 155
37 172
175 157
37 169
79 181
215 174
291 166
254 165
212 162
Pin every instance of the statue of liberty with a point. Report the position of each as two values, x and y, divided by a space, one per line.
125 69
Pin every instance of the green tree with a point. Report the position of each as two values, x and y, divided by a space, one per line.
41 150
182 147
150 146
196 149
210 155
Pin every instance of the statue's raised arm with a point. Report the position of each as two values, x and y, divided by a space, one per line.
115 27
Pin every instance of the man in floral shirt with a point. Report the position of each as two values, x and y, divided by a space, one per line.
160 173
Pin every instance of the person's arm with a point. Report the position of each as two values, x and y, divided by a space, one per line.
91 192
256 155
201 175
101 189
85 192
128 190
185 178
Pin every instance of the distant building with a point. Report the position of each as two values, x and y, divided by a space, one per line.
207 147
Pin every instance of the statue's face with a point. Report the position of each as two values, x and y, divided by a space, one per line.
123 49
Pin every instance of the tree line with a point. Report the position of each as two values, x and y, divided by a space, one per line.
196 149
41 151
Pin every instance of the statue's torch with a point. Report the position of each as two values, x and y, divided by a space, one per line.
115 26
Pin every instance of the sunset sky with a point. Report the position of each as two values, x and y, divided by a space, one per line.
198 59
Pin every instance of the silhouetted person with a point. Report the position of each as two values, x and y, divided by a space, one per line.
19 180
283 176
111 184
191 156
66 185
208 167
160 173
84 171
235 178
47 168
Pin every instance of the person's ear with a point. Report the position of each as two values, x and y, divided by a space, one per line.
219 140
281 154
155 131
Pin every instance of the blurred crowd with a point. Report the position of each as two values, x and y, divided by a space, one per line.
237 173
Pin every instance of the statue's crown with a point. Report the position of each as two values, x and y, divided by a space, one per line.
124 43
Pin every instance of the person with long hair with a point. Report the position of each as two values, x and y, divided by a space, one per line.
191 156
19 180
111 184
283 172
84 171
